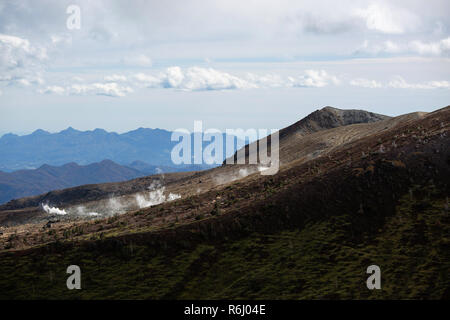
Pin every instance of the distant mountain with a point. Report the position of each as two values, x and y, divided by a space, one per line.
150 169
23 183
84 147
152 146
31 182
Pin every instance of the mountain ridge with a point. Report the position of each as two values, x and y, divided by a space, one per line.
152 146
379 195
84 147
23 183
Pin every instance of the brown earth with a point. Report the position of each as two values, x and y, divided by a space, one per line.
354 167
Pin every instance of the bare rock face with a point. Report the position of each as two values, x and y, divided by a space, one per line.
320 120
328 118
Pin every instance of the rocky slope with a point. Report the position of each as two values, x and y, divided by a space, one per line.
309 231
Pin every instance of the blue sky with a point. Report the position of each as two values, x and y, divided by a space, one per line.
252 64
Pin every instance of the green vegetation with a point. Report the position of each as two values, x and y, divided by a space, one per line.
322 260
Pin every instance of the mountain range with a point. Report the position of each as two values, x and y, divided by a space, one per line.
22 183
152 146
353 190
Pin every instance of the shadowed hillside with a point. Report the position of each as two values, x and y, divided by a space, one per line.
380 196
30 182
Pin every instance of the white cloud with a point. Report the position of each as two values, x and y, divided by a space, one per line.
314 78
173 77
147 80
267 81
111 89
431 48
194 79
385 19
15 50
399 83
26 80
383 47
365 83
53 89
204 79
20 62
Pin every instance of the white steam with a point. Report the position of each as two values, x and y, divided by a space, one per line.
53 210
154 197
81 210
115 205
242 173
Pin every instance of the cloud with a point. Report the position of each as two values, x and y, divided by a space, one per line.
194 79
200 79
147 80
267 81
20 62
385 19
388 46
110 89
17 52
205 79
53 89
431 48
365 83
314 78
399 83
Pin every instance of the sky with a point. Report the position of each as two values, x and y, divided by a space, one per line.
120 65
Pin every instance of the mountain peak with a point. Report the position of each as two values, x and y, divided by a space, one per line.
108 162
330 117
69 130
40 132
99 130
9 135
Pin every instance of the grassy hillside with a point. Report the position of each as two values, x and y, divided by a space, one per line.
310 231
324 259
